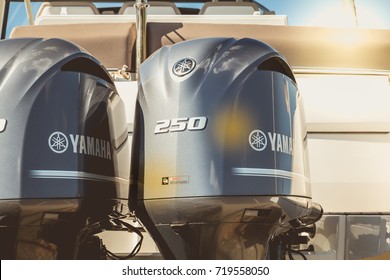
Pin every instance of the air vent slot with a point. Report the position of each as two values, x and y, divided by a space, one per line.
87 66
277 64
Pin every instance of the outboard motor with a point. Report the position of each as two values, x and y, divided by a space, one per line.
64 154
219 167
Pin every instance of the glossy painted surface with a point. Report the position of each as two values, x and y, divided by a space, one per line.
219 153
64 156
237 99
66 131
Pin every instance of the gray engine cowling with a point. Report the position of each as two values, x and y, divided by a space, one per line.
64 155
219 150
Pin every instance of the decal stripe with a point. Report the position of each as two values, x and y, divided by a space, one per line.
264 172
74 175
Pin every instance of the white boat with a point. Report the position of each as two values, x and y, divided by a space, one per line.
340 57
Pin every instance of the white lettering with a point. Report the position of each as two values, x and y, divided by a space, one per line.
281 143
285 144
97 148
279 140
83 148
103 148
74 141
90 145
272 138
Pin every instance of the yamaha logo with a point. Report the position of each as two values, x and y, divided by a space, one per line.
258 140
81 144
184 67
280 143
58 142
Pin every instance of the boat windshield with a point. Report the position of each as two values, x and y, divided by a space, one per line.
371 14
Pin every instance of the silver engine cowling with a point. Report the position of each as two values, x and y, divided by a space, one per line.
219 168
64 153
